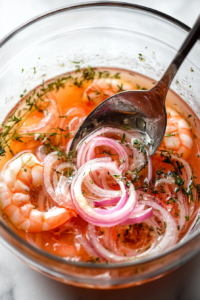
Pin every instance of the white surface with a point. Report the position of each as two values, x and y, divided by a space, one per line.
18 281
15 12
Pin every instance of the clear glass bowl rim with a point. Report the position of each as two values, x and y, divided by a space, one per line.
74 7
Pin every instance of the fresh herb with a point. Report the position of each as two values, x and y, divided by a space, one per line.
141 58
160 172
139 146
123 161
116 76
187 218
120 88
123 138
107 152
94 260
116 176
171 134
139 87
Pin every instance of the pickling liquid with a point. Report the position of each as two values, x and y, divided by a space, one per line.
61 241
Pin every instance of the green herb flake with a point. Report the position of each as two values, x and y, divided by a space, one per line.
187 218
141 58
171 134
123 138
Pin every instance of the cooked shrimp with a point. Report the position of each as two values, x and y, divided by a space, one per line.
21 179
101 89
178 136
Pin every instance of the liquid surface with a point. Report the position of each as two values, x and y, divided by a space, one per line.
65 103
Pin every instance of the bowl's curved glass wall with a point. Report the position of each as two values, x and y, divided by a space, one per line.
109 35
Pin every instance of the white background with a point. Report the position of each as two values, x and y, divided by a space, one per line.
18 281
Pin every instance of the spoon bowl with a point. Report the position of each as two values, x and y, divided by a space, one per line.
143 110
131 110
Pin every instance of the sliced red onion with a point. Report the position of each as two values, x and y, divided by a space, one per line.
119 247
41 153
138 217
150 166
99 216
95 189
79 237
67 148
100 249
183 209
74 124
188 171
181 201
111 143
145 196
73 112
138 208
170 236
168 180
49 163
106 201
116 255
62 188
82 151
58 171
104 184
159 244
99 191
47 122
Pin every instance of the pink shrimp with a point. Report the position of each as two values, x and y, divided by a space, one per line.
20 185
101 89
178 136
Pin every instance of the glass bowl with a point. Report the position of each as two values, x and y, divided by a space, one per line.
97 34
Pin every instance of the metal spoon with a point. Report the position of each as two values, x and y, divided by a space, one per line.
143 111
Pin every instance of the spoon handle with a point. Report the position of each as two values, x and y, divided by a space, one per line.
164 83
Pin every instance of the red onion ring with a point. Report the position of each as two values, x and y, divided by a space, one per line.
73 112
169 238
67 148
60 199
99 216
188 171
138 217
46 123
82 151
113 144
181 201
41 153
